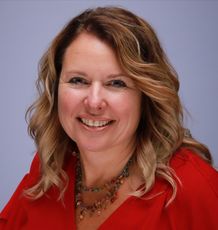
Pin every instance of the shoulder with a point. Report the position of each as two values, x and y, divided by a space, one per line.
196 203
194 172
27 180
20 210
13 211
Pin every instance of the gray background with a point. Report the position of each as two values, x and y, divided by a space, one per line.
188 31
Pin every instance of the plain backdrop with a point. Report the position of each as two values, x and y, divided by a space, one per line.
189 34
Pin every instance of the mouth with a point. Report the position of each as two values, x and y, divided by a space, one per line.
94 123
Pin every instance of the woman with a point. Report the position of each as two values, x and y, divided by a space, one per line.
112 149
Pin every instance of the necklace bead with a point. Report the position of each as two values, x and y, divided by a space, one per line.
111 189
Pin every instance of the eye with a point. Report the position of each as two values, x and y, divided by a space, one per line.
117 83
78 81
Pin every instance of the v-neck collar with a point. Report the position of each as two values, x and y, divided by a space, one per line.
159 188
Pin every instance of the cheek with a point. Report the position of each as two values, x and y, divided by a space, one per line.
66 103
134 113
63 104
129 108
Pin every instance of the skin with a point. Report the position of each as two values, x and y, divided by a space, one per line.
99 109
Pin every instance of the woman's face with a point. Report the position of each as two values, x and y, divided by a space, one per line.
98 105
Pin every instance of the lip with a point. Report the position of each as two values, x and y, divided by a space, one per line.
95 124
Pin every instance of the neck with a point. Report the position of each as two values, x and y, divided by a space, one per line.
100 167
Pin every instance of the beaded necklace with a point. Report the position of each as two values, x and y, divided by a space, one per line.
111 188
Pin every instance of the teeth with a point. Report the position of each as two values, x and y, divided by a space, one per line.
92 123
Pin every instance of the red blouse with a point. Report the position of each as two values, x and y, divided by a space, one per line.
194 208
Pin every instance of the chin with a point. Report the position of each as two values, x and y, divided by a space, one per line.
92 147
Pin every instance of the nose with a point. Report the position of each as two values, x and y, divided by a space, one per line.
95 99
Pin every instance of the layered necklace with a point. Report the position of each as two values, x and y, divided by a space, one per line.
110 189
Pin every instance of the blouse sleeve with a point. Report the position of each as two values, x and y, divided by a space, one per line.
196 204
13 214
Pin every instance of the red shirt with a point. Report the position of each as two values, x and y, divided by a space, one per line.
194 208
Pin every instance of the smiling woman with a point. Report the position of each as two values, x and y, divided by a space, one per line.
112 149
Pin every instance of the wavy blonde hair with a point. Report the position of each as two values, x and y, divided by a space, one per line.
160 132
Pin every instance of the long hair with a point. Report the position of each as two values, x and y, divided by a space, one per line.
160 132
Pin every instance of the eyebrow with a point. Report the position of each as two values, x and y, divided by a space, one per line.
117 75
75 72
121 74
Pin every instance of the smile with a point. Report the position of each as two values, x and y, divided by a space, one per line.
94 123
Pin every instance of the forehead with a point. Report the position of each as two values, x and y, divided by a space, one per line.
88 51
88 41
